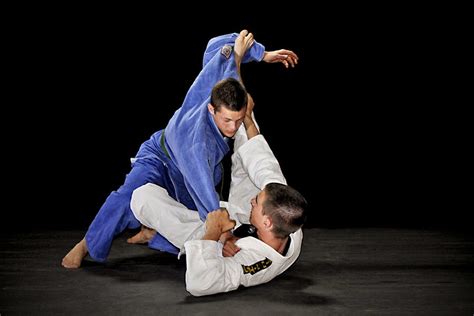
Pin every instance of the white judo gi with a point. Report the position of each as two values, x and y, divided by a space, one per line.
208 272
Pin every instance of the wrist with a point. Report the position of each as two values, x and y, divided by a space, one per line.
212 233
248 121
225 236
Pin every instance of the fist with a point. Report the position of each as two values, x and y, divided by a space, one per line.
219 220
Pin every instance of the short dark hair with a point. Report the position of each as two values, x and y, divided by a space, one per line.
229 93
286 207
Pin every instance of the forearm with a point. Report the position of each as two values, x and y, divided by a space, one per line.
207 272
214 46
260 163
212 233
250 127
198 178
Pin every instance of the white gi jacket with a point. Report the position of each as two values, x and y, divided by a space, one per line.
208 272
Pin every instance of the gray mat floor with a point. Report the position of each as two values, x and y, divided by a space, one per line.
378 271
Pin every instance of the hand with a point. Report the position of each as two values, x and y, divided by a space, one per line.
217 222
230 248
284 56
243 42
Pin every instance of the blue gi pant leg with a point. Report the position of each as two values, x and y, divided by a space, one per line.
115 215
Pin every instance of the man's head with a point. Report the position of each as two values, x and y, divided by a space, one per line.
278 208
228 105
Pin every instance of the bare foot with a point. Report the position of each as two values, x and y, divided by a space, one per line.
144 236
74 257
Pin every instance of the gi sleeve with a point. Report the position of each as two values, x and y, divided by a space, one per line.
199 180
207 271
255 53
260 163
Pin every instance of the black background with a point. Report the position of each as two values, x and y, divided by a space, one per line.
364 126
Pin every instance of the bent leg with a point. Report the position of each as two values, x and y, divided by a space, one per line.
175 223
114 216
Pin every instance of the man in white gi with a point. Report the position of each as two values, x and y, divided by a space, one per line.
277 213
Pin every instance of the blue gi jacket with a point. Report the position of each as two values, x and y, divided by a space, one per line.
193 141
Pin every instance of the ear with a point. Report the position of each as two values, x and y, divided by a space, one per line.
267 222
211 109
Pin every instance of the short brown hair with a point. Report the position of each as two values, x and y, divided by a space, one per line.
286 207
229 93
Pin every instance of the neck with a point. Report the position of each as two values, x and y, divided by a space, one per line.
278 244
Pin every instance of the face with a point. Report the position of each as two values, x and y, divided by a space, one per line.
256 214
226 120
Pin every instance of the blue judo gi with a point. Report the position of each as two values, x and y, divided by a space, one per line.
184 158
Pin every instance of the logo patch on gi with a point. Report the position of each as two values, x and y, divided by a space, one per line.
257 266
226 50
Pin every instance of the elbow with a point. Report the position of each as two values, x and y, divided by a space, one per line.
199 283
195 289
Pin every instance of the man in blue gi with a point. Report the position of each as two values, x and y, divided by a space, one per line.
185 157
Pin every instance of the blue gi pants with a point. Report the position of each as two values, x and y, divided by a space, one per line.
115 215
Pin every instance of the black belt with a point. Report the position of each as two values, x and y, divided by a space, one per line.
163 146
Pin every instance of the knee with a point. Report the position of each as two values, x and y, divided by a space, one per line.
137 201
142 199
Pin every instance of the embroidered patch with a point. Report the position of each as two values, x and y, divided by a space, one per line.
226 51
258 266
